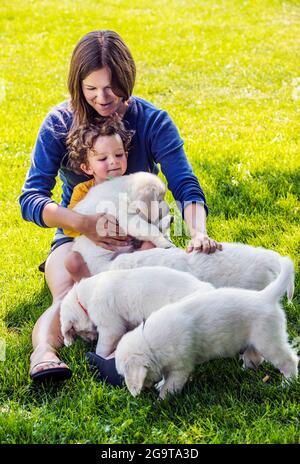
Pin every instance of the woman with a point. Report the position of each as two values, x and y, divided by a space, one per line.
101 79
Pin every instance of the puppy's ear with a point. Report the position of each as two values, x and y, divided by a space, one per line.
164 223
135 374
150 197
68 332
155 211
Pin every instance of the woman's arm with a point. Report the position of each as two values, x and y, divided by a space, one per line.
35 200
102 229
46 159
58 216
54 215
195 218
167 149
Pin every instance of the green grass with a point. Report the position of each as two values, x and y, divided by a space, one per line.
225 71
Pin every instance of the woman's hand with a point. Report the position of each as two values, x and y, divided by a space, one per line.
202 243
103 229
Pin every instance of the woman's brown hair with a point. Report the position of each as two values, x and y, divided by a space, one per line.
94 51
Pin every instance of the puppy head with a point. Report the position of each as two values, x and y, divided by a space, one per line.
89 334
74 321
133 363
70 328
68 331
139 374
146 197
135 373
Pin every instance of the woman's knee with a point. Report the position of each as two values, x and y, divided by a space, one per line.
73 262
57 277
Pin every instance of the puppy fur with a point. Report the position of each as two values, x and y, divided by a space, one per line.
117 301
137 201
237 265
205 326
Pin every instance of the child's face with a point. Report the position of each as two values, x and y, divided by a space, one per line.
108 159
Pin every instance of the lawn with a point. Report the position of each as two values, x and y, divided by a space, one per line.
228 73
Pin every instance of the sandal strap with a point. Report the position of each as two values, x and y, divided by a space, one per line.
58 363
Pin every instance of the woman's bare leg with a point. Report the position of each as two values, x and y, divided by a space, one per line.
46 335
76 266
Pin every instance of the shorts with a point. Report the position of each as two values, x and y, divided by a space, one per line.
59 239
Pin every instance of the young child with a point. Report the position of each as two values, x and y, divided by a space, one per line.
100 151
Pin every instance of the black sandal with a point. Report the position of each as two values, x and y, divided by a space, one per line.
55 374
105 369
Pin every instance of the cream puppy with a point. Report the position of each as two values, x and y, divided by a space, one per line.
237 265
205 326
116 301
136 201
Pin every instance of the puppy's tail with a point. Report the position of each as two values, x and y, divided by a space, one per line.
284 281
291 288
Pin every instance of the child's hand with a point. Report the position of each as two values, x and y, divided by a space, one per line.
202 243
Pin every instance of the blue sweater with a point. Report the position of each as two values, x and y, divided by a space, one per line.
156 141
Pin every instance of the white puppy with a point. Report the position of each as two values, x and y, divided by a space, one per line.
116 301
237 265
205 326
136 201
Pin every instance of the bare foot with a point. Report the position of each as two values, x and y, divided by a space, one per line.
42 359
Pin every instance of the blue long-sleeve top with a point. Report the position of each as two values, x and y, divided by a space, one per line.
156 141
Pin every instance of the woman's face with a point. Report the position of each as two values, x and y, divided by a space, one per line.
98 93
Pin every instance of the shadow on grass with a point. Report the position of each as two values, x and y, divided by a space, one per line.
14 372
223 383
28 311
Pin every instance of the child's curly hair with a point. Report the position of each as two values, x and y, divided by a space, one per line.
81 140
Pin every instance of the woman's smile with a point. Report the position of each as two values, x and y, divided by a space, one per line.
98 93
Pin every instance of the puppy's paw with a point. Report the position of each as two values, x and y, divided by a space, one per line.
158 386
68 341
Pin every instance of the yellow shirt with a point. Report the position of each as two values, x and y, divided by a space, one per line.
79 192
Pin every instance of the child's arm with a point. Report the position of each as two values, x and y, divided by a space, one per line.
79 192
